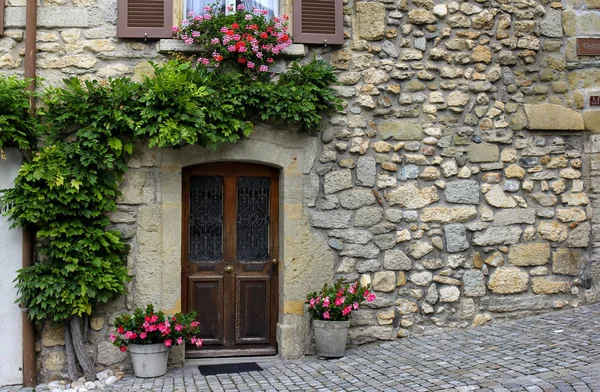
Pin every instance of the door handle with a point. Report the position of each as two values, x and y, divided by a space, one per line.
229 269
274 261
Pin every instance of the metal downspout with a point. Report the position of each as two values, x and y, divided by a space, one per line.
29 368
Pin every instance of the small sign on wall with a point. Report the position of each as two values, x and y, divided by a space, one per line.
594 100
588 46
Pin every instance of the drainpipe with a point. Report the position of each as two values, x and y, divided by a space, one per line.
29 370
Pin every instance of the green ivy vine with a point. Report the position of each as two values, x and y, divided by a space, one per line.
17 129
71 179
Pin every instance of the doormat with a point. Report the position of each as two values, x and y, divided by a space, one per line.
211 370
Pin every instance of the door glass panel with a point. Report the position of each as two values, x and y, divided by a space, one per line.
253 219
206 219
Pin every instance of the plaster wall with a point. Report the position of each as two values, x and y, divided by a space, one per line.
11 349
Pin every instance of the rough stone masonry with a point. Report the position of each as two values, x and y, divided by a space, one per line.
460 178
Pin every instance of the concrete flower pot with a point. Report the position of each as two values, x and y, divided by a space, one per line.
149 360
331 337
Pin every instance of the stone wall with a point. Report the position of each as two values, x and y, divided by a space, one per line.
460 178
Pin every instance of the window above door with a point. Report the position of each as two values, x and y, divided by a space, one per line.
314 21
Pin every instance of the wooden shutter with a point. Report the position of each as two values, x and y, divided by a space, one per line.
1 17
318 22
145 18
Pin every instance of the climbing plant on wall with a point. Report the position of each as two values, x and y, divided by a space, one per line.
17 129
70 182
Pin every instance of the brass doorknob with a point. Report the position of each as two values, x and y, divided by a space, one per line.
229 269
274 261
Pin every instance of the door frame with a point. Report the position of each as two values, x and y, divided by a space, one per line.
229 229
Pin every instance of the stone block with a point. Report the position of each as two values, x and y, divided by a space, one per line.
384 281
368 265
97 323
449 294
53 335
109 354
514 216
575 199
553 117
421 16
448 214
176 356
396 259
337 180
498 236
514 303
570 214
580 236
359 335
473 283
496 259
456 238
368 216
483 152
588 23
544 285
56 17
497 198
421 278
551 25
405 306
352 236
462 192
591 119
366 171
138 187
330 219
363 251
592 4
508 280
566 261
412 197
56 361
370 20
523 255
552 231
356 198
400 130
419 249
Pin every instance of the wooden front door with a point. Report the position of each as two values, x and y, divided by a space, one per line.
230 254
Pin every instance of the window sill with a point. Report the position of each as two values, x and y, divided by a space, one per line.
165 46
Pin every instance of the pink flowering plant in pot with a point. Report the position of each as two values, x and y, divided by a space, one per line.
145 327
330 309
245 37
337 302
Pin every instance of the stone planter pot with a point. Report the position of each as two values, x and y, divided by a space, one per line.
331 337
149 360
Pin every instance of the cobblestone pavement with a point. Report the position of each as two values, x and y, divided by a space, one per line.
554 352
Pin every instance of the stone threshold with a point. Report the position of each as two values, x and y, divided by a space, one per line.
228 360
